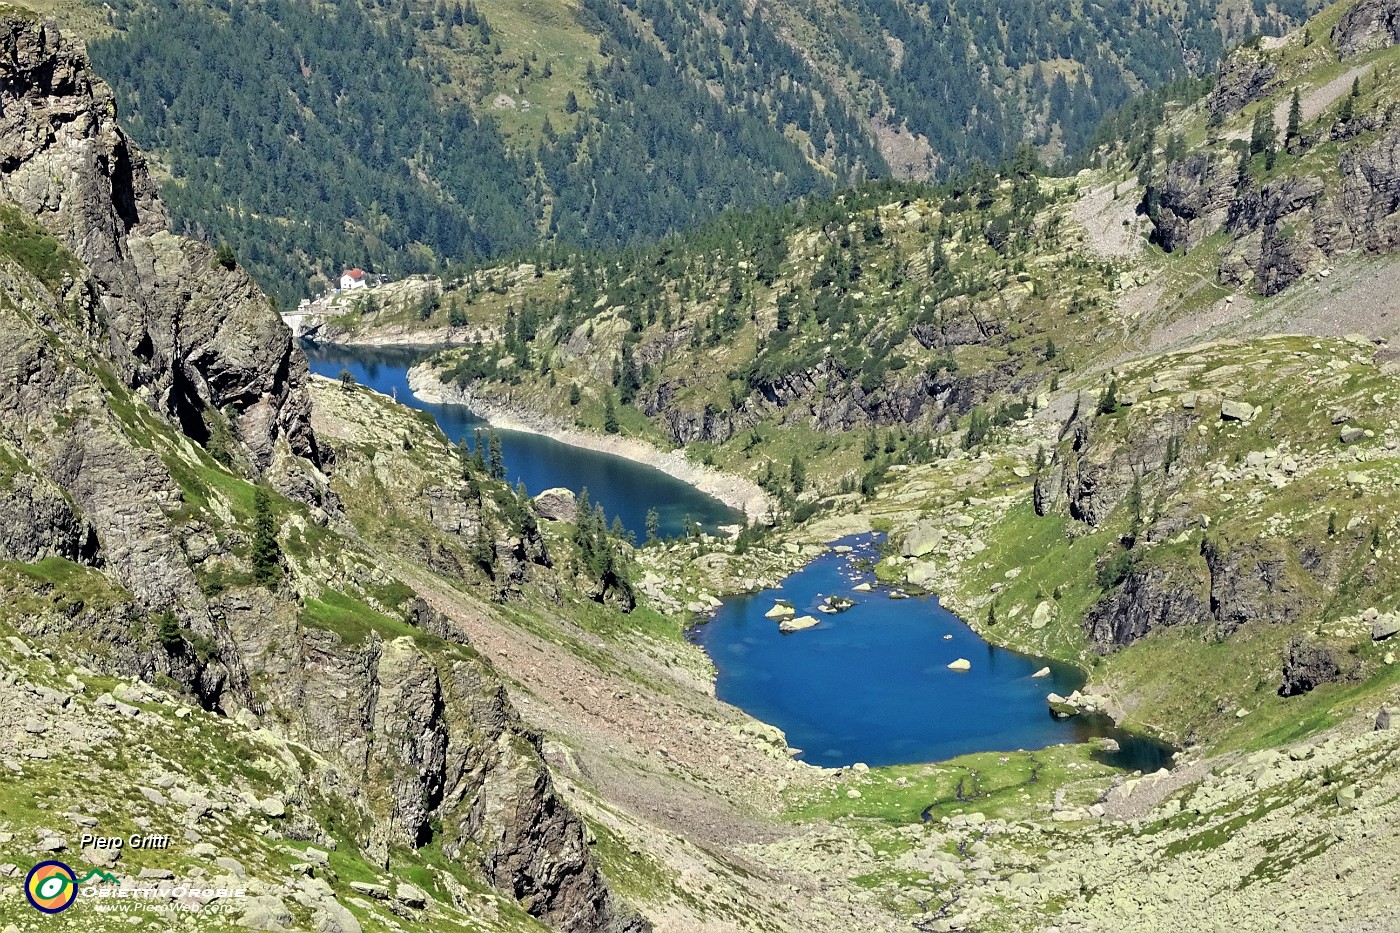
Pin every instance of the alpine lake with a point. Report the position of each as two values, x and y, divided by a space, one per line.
868 683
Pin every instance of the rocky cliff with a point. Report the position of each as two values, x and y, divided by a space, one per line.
157 436
1292 200
1367 26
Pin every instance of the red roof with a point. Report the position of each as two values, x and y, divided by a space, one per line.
354 273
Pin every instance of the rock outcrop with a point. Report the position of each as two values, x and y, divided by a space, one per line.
1285 225
1150 598
186 333
1193 201
145 385
1306 666
1367 26
1245 76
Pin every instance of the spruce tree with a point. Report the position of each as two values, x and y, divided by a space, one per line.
1108 402
610 423
267 555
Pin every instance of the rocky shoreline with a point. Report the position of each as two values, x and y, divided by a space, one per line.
734 491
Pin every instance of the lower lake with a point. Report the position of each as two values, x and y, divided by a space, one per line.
872 683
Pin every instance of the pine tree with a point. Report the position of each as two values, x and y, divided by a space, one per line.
653 525
872 445
1135 507
1108 402
1295 116
497 457
799 475
610 423
267 555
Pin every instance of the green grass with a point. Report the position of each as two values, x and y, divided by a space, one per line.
38 253
350 618
1009 785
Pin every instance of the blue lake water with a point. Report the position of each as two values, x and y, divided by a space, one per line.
872 684
869 684
625 489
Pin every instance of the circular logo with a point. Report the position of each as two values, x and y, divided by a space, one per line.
51 887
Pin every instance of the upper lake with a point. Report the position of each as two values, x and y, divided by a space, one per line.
624 488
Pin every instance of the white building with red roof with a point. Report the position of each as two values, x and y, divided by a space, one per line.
352 279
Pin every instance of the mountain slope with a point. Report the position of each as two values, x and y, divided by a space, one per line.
158 424
850 350
603 124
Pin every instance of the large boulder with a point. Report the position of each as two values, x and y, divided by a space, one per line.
557 505
797 624
1231 410
919 573
1306 666
1386 626
921 539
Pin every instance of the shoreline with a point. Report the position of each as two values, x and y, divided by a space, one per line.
444 337
734 491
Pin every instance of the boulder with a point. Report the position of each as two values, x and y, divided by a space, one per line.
1352 435
1307 665
961 664
797 624
1383 719
1231 410
918 574
1044 612
557 505
266 912
780 611
921 539
377 891
1043 672
1385 626
770 735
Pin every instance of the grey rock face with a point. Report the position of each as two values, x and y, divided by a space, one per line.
38 521
1367 26
1150 598
1193 201
1306 666
185 332
1244 78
